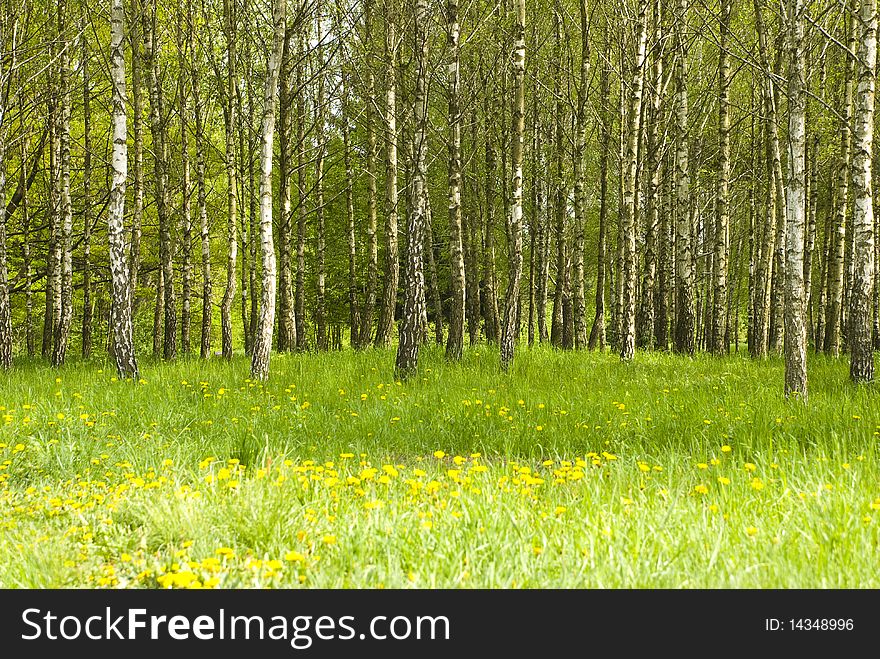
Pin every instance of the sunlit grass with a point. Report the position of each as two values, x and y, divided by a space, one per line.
572 470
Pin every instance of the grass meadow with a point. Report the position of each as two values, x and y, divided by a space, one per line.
573 470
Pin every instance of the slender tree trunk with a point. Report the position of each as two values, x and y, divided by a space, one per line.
630 190
321 339
263 339
201 186
455 341
754 242
542 241
473 246
26 258
836 255
827 240
777 297
509 326
250 285
186 205
771 226
137 85
65 246
560 192
665 254
366 329
5 310
597 332
795 325
123 342
491 325
159 133
392 265
810 241
684 258
286 318
433 285
580 303
53 254
653 112
302 214
158 314
230 120
861 365
719 344
410 339
354 321
535 216
87 202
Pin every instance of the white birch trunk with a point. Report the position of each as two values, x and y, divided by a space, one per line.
266 323
861 367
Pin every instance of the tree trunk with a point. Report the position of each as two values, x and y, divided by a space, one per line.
321 338
27 265
580 302
432 283
53 254
302 215
87 203
560 192
455 341
473 246
286 318
137 85
266 325
201 186
158 314
65 309
123 342
647 306
392 265
810 241
248 159
836 255
186 182
491 324
366 329
410 339
354 320
5 310
719 344
861 365
509 326
684 261
630 190
795 325
777 298
597 332
159 133
230 121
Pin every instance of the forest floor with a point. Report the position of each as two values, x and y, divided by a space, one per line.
574 470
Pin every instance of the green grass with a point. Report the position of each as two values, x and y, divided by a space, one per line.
105 483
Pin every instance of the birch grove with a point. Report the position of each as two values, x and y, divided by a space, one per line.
636 175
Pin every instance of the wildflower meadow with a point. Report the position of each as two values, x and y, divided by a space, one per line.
571 470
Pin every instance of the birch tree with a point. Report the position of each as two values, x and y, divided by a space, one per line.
515 228
123 342
455 340
795 209
628 219
861 364
414 298
266 323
